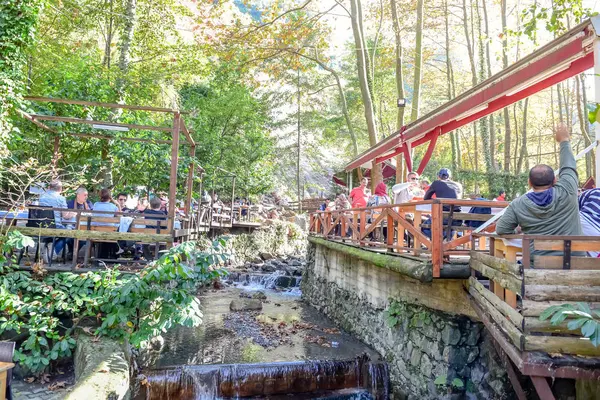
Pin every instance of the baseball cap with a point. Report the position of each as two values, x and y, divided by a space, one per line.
444 173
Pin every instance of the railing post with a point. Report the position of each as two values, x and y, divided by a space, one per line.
390 232
437 242
417 224
343 225
363 225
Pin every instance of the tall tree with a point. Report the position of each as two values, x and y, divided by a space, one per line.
399 81
483 122
418 62
361 64
492 131
523 150
450 88
507 131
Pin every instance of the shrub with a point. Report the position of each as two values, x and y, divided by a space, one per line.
45 311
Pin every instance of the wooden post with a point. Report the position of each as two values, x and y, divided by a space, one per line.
343 227
190 183
437 239
510 297
232 200
401 229
363 225
173 175
390 232
56 151
417 224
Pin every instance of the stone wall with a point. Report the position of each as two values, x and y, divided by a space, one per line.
435 349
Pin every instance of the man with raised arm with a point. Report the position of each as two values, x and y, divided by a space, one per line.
551 207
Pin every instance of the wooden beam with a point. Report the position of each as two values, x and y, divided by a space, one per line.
507 281
562 277
532 308
561 344
98 104
562 293
173 174
128 139
499 264
190 181
187 133
509 312
38 123
434 137
506 326
93 122
92 235
542 388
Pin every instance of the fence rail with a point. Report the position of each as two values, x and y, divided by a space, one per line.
437 229
515 280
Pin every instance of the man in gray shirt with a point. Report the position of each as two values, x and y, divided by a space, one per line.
551 207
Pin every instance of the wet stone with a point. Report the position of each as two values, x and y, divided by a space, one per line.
245 305
451 335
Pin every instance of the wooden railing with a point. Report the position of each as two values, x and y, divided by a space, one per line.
429 228
512 284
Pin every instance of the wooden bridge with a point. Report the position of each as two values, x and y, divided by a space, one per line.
509 286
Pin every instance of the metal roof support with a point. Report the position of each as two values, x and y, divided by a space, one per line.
429 152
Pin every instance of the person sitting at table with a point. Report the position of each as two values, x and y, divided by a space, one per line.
551 207
106 203
80 202
380 198
155 212
121 201
142 205
52 198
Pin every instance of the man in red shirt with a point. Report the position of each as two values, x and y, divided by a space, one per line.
358 195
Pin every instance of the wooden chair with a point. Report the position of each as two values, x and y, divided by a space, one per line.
150 226
98 224
7 351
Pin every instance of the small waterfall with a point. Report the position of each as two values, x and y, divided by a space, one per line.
350 379
266 281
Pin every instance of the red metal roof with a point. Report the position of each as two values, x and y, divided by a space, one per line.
564 57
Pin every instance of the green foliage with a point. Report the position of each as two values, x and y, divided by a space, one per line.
277 238
133 307
232 123
393 313
584 318
441 380
555 17
491 183
18 20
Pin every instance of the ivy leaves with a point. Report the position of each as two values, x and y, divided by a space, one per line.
584 318
133 307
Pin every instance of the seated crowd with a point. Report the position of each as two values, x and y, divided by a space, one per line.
553 206
107 206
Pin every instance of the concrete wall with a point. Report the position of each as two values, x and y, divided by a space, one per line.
435 339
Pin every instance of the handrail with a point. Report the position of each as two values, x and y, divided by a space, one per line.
440 237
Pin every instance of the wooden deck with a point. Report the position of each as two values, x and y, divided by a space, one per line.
510 284
368 227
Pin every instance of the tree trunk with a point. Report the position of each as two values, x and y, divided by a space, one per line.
399 62
449 84
582 125
109 35
126 40
361 64
483 122
587 124
507 131
418 61
399 83
492 132
523 152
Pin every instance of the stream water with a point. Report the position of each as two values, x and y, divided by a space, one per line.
286 349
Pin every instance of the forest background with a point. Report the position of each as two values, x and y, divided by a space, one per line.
280 90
